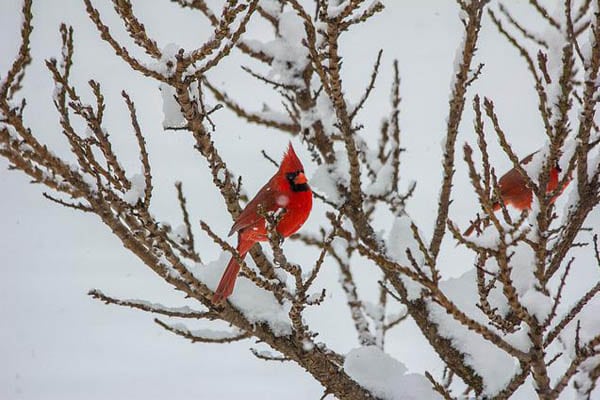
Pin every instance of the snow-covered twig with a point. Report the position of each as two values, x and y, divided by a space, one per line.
203 335
180 312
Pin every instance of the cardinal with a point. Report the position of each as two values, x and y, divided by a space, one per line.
288 189
514 191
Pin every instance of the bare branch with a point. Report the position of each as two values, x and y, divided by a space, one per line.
457 101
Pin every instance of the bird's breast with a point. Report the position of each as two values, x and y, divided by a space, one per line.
297 211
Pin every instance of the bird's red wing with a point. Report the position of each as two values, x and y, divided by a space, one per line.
512 184
266 197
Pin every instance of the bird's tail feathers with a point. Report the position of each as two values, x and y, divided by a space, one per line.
227 282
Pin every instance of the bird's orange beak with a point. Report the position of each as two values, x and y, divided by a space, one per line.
300 179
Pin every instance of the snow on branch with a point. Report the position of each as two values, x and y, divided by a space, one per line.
386 377
202 335
156 308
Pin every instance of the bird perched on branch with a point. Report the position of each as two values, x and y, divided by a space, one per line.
288 189
514 191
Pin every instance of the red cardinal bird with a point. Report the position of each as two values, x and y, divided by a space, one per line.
287 189
514 190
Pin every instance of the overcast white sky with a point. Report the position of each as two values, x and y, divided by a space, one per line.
57 343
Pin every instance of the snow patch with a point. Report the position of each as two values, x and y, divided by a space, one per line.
322 111
289 58
494 365
399 240
386 377
173 118
271 7
256 304
210 334
383 181
138 185
168 61
334 11
327 178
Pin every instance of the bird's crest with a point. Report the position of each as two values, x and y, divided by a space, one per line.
290 162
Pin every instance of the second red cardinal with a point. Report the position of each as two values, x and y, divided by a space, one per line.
287 189
514 190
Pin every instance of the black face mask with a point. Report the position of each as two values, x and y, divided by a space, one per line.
296 187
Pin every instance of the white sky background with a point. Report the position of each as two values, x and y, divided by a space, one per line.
57 343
